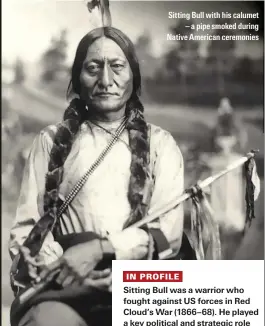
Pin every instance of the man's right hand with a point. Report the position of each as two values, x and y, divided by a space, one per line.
131 243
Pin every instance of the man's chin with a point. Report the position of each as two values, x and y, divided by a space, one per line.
107 106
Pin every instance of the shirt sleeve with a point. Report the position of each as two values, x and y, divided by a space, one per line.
169 184
30 203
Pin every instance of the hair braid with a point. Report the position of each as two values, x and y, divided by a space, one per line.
64 138
139 144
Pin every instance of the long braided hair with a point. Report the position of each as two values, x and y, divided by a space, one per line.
74 116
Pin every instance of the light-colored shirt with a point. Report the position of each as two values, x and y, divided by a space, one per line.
102 204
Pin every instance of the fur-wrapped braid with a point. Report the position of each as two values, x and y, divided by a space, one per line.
139 144
61 148
74 116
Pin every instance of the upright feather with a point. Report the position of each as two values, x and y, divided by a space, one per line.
99 12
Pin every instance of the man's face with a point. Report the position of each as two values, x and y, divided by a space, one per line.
106 77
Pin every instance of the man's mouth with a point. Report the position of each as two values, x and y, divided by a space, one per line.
105 94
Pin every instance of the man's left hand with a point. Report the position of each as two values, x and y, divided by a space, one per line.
100 280
78 262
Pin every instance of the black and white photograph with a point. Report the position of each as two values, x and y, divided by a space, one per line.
131 130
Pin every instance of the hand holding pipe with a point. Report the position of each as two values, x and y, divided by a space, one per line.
53 269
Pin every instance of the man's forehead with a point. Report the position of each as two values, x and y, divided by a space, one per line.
104 47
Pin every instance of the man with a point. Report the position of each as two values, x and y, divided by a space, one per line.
139 175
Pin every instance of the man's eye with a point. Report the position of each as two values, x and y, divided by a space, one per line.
117 66
93 68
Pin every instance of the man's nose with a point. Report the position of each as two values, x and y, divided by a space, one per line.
106 79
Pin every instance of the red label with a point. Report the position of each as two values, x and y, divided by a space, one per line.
152 276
